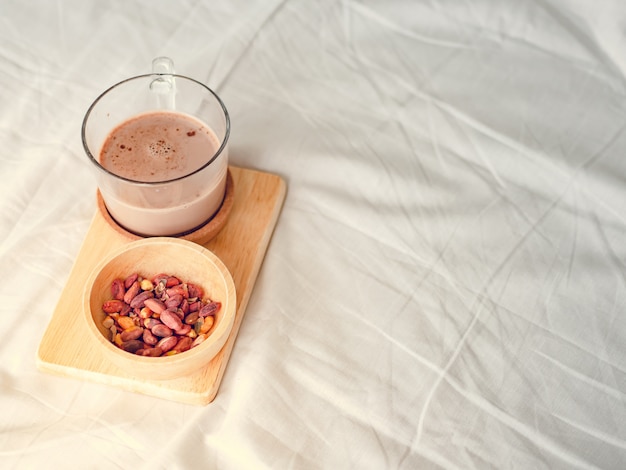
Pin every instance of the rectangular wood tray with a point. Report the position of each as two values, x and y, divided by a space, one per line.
67 350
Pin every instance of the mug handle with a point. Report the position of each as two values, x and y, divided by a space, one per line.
164 85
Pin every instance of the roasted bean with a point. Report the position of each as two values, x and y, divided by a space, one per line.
149 337
183 344
192 317
113 306
168 343
174 301
183 330
171 319
161 330
139 299
156 305
132 346
117 289
132 291
132 333
210 309
130 280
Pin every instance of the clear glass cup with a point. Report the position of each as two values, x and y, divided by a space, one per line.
172 206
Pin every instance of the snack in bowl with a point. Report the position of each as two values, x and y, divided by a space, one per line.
166 289
157 316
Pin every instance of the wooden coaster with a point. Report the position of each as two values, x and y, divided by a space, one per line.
68 350
201 235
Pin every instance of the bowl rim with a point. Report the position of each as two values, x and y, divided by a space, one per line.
218 335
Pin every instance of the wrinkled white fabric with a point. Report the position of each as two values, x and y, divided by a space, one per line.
446 284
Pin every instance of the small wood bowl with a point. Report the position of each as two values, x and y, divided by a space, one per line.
189 262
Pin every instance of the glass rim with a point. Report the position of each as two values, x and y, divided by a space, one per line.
217 153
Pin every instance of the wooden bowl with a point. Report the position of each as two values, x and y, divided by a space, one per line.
187 261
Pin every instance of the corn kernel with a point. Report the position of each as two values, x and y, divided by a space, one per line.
145 313
207 325
125 322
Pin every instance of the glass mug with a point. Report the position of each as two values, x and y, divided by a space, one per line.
159 143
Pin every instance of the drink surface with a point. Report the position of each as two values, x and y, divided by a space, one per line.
158 146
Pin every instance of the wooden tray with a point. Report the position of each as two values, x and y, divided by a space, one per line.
66 348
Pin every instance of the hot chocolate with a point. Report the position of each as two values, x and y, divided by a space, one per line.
157 147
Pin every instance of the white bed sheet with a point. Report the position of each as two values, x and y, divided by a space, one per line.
446 284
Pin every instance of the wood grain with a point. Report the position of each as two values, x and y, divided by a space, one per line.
68 350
